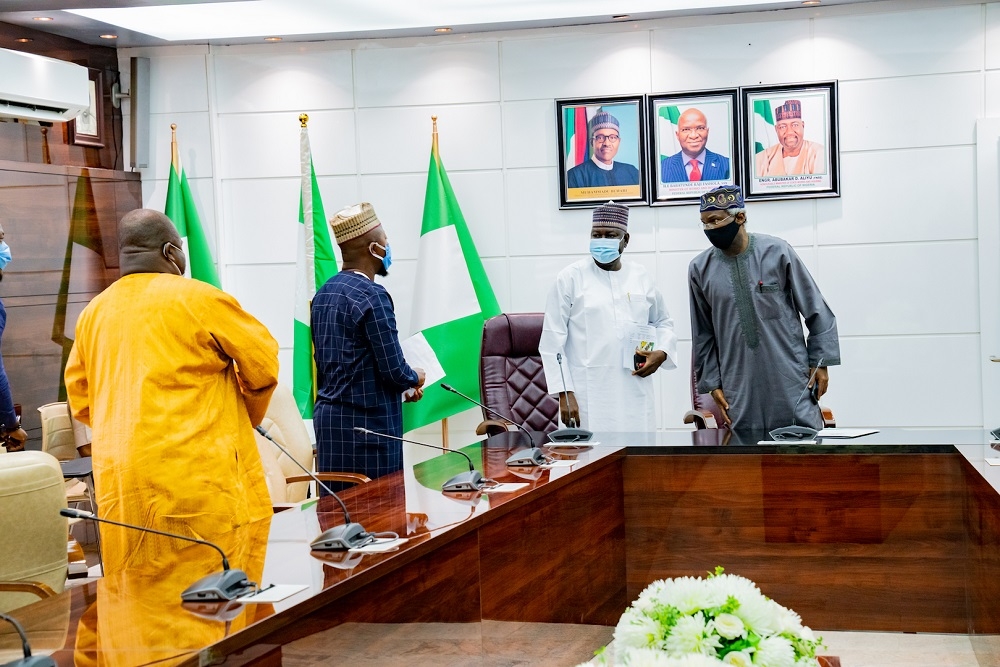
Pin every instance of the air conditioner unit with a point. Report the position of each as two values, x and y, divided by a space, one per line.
38 88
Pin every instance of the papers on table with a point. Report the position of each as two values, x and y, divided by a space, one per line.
845 432
993 462
560 463
273 593
506 487
419 354
380 546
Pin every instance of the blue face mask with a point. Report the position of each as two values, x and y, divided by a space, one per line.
605 251
387 259
4 255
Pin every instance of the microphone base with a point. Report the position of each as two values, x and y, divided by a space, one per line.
32 661
342 538
792 433
225 585
471 480
569 435
527 457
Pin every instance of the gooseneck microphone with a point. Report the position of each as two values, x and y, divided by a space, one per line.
28 660
526 457
571 433
226 585
796 432
339 538
460 483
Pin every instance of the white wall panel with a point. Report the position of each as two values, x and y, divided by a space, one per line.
992 88
284 82
992 35
268 293
481 196
739 54
400 284
285 366
893 113
672 281
398 140
679 227
267 145
575 66
899 43
499 275
865 214
910 381
176 84
529 134
448 74
919 288
154 196
398 200
531 278
262 215
194 140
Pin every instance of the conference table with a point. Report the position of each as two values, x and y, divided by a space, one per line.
895 531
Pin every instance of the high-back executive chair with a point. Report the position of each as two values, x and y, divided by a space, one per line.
511 376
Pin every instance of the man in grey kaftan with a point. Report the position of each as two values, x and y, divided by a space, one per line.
747 295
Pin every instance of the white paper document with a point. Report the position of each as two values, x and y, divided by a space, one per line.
637 336
273 593
993 462
419 354
380 546
845 432
559 463
505 488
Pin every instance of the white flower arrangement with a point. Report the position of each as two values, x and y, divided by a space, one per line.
721 620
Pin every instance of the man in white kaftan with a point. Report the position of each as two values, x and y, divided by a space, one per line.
596 311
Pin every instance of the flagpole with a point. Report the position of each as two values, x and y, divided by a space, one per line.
174 157
444 433
304 125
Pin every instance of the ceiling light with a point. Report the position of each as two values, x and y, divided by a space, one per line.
24 40
620 17
109 36
442 29
42 18
272 39
811 2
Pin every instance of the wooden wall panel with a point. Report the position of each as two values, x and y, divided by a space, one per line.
849 542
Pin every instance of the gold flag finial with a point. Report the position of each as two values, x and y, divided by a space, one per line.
434 134
303 119
174 156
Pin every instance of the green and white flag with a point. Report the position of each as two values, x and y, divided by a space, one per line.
315 264
452 300
181 210
764 135
667 118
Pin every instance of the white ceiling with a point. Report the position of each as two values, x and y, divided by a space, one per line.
155 22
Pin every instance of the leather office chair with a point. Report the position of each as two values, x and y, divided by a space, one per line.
286 482
705 412
511 376
33 560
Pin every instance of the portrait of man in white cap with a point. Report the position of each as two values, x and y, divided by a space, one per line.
601 169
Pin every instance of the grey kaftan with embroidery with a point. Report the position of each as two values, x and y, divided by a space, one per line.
747 333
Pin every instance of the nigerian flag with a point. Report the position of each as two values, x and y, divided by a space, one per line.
667 117
764 135
181 210
452 299
315 264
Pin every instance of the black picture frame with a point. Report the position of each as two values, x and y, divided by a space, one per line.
814 170
578 164
87 129
669 167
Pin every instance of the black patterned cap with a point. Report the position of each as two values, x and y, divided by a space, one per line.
722 198
611 215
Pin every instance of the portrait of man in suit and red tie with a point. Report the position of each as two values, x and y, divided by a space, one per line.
694 161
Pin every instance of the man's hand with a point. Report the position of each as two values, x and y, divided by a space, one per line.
822 377
413 395
15 440
720 400
654 359
421 376
569 411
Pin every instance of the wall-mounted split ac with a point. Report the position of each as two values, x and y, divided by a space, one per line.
41 89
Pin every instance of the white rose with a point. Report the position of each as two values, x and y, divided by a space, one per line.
730 626
738 659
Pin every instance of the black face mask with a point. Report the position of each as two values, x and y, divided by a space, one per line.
723 237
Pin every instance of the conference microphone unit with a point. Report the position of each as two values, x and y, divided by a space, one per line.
796 432
460 483
526 457
28 660
226 585
571 433
339 538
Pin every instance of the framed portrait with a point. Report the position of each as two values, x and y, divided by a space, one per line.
695 144
791 141
602 144
87 129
